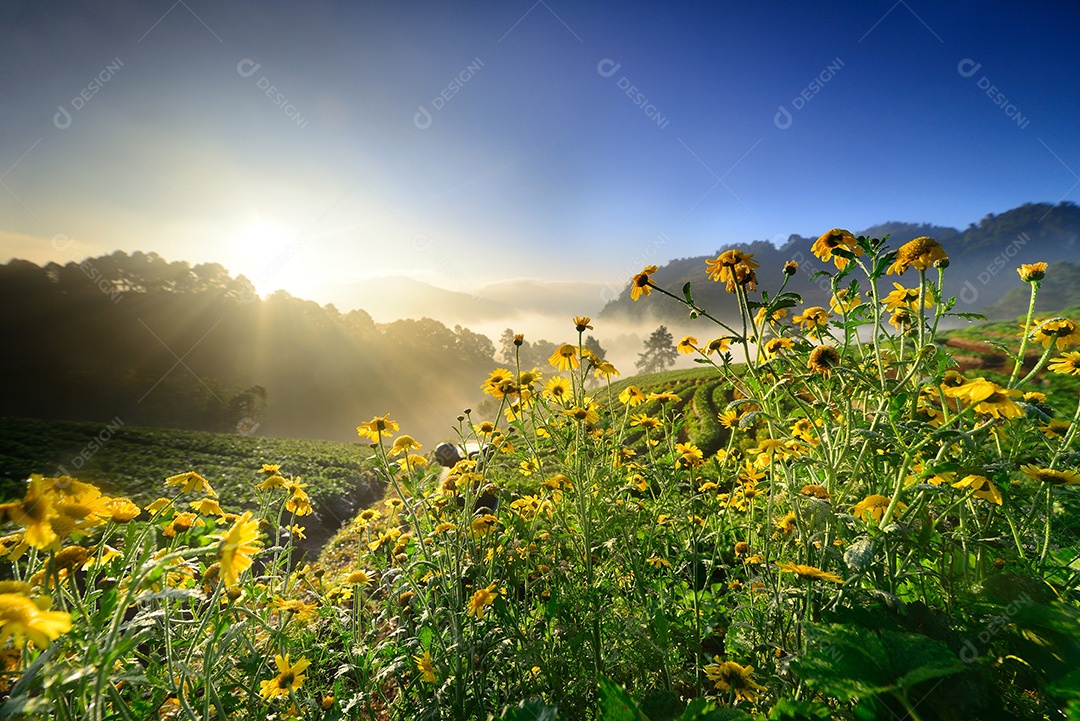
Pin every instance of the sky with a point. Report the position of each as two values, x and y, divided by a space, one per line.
314 145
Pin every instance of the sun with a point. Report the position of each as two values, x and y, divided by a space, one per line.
253 247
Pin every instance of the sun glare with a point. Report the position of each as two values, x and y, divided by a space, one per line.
253 247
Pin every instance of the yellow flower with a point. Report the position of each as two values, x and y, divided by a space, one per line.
812 490
906 298
987 397
642 420
810 573
717 345
404 444
237 546
207 507
762 316
1067 364
657 562
632 396
483 525
565 357
192 482
844 301
874 505
500 383
581 323
558 388
269 469
687 345
1051 476
981 487
299 504
378 427
640 284
295 608
775 345
158 505
1060 331
423 664
729 676
272 482
661 397
1032 272
823 359
735 267
836 239
587 413
481 600
289 678
34 514
920 253
604 369
813 317
728 418
21 618
122 510
786 525
689 455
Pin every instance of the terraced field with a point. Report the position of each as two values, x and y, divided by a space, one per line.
132 461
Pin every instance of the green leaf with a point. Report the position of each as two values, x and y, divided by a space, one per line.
660 625
532 710
616 705
788 710
850 662
1068 686
686 293
968 316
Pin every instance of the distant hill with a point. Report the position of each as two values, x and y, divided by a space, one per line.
983 258
164 344
401 297
1058 291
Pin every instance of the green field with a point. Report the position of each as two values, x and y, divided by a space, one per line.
133 461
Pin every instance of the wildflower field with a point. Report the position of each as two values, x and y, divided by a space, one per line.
844 526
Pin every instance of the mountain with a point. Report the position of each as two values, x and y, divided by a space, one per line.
402 297
1057 292
983 258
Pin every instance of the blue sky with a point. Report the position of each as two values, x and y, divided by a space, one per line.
311 144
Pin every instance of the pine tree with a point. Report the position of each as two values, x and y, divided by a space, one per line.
659 352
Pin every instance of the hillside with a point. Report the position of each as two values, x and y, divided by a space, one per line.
1058 290
134 462
168 345
982 262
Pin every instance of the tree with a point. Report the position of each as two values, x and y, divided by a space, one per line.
659 352
507 347
594 345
